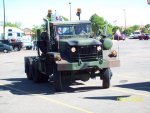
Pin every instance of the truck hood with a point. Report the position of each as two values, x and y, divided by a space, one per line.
80 41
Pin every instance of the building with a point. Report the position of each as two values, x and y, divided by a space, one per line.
28 32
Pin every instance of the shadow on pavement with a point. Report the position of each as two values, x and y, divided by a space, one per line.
23 86
108 97
144 86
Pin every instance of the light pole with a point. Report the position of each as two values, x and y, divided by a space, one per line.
124 19
4 20
70 10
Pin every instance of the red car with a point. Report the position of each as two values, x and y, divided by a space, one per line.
143 37
121 37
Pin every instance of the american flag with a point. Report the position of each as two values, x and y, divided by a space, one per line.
118 32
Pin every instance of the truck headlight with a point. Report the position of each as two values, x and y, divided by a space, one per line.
73 49
99 48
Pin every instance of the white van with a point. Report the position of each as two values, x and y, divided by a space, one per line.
136 34
27 42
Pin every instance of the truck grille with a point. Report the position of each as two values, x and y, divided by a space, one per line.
86 53
87 50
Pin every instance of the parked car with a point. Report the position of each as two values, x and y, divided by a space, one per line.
143 37
16 45
27 42
136 34
121 37
131 36
148 35
5 48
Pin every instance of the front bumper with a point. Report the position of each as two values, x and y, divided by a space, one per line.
64 65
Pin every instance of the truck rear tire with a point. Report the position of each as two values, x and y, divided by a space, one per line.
58 83
106 76
38 77
28 69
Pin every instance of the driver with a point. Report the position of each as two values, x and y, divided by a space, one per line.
60 31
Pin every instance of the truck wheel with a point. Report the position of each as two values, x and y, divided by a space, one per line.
38 77
28 69
106 76
58 80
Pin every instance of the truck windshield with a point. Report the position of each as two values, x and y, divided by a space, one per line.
73 30
65 30
81 29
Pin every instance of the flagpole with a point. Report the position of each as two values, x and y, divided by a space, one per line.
70 10
125 20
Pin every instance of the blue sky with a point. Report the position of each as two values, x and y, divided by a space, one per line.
31 12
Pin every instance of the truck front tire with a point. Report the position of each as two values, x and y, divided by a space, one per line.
106 76
58 83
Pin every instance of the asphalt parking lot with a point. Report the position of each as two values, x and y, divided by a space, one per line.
129 92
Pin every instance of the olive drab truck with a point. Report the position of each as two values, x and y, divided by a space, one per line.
67 52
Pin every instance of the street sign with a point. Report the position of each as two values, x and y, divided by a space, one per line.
148 1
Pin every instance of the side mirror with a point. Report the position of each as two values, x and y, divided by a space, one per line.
91 34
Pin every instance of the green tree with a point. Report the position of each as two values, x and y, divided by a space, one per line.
127 31
147 26
114 29
16 24
146 29
97 23
35 28
135 27
110 27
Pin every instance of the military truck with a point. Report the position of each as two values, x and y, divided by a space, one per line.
67 51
